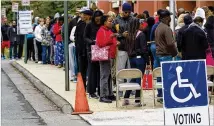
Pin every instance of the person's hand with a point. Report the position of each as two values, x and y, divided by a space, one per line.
125 34
118 43
114 35
179 54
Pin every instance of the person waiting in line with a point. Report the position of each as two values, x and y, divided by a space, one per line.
14 40
165 44
93 66
80 43
138 58
194 41
105 37
38 37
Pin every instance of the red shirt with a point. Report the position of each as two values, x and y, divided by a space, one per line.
57 32
104 38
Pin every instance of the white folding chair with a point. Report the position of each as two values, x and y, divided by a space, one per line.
128 74
210 84
156 85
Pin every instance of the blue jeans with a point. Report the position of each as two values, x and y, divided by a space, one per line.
13 50
45 54
162 59
140 64
153 50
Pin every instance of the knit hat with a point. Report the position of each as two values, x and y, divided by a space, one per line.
126 7
56 15
200 13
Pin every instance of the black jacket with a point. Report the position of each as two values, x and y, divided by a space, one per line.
124 25
80 43
194 44
140 47
72 24
4 31
12 35
179 36
90 34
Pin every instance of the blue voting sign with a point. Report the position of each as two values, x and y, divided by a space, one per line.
184 84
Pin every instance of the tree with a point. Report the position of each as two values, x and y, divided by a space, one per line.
43 8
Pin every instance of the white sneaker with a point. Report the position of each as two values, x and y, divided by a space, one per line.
40 62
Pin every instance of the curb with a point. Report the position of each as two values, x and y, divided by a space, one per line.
48 92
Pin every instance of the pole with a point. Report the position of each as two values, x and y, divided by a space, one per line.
25 46
67 86
172 9
88 3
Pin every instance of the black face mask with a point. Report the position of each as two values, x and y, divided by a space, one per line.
14 26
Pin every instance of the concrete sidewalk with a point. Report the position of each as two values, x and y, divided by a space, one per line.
104 114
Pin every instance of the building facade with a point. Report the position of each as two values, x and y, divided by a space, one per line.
151 6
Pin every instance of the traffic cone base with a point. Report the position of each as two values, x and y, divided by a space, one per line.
77 113
81 102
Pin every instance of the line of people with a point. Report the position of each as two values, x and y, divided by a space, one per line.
135 40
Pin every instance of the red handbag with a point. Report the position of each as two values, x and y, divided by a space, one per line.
99 54
147 81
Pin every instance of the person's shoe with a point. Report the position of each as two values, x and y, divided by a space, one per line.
105 100
40 62
138 105
160 101
113 98
59 66
93 96
36 61
126 102
75 80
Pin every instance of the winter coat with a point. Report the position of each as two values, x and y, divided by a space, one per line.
124 25
179 37
140 46
57 32
79 39
12 35
194 43
104 39
46 37
4 31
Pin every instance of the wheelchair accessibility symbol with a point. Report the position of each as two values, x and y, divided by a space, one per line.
187 84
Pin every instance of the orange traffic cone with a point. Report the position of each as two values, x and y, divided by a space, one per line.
81 102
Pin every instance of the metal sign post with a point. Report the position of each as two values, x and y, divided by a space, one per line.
172 9
67 86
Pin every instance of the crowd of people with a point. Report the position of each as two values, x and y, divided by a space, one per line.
134 40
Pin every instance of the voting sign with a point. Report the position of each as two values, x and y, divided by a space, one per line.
185 92
25 2
25 23
15 7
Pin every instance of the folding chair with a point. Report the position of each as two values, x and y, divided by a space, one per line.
128 74
156 85
210 71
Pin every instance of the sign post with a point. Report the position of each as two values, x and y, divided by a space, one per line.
15 7
185 93
25 27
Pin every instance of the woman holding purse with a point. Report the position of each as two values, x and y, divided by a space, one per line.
93 66
106 38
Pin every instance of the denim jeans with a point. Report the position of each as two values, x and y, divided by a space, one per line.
162 59
45 54
13 50
140 64
153 50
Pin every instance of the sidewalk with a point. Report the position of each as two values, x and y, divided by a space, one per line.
104 114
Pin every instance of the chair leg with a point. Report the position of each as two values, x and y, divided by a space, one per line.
141 97
117 97
153 97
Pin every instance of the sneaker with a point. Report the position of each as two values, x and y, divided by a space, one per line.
36 61
113 98
105 100
93 96
59 66
40 62
75 80
160 101
126 102
138 105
